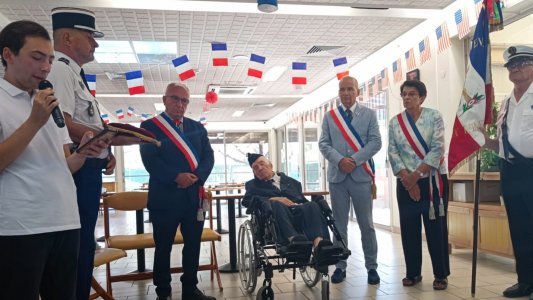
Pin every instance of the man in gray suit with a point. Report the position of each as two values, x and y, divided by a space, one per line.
350 137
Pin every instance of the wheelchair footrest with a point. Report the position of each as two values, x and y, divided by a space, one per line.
330 255
297 251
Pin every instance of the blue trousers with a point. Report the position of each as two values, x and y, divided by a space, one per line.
88 181
165 224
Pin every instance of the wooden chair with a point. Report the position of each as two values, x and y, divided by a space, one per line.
133 201
105 256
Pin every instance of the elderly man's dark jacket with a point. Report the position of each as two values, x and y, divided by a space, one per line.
263 190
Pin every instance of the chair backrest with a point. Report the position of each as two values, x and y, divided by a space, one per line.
127 201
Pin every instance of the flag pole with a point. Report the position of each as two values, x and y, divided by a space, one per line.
476 223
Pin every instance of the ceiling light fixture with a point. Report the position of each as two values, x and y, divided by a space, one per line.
274 73
267 6
241 57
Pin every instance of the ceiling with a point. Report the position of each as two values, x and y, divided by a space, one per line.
282 37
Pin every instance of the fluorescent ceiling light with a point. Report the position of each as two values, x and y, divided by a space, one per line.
159 106
274 73
115 58
237 113
114 46
241 57
115 52
155 47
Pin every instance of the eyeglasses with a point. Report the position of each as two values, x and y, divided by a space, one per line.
177 99
518 63
410 94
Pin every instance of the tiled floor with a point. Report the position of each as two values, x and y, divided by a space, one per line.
493 276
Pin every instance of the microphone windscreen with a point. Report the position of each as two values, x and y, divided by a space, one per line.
43 85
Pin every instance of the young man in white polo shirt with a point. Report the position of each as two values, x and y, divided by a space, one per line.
39 222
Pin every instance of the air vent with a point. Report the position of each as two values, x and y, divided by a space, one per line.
231 90
325 50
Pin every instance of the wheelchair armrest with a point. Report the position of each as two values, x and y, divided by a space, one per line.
322 203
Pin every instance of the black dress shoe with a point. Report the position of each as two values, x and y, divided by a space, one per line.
519 290
373 277
196 295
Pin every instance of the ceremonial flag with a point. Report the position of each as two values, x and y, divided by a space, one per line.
257 65
299 73
443 37
183 67
341 67
105 118
410 59
475 106
220 54
144 117
130 111
397 70
135 82
425 51
91 82
461 20
120 113
384 78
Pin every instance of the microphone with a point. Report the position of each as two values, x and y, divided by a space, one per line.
56 112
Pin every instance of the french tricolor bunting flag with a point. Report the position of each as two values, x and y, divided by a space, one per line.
299 70
135 82
220 54
341 67
91 82
130 111
105 118
120 113
475 106
257 65
183 67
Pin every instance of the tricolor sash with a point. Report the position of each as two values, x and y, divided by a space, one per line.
354 141
178 138
413 136
172 131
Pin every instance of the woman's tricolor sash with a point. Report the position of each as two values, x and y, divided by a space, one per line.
354 141
413 136
172 131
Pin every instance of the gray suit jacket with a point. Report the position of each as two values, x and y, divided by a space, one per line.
334 147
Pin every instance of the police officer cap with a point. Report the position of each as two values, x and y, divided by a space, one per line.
517 52
77 18
252 157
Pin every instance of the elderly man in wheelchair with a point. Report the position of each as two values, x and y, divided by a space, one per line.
286 229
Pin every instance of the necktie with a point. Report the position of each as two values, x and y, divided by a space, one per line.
82 74
179 124
349 114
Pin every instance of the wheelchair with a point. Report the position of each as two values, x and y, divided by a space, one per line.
259 251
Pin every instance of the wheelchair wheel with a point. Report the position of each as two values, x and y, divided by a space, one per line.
310 275
247 263
265 293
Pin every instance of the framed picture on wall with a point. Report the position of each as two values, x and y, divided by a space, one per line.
413 75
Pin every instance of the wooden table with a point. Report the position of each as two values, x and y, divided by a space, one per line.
230 267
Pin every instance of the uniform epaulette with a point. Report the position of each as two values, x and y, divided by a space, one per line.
64 60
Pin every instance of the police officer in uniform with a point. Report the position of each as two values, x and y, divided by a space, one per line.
74 35
515 146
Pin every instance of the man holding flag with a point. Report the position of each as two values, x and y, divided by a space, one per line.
515 146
